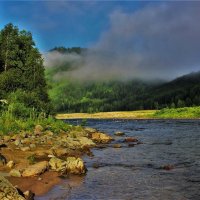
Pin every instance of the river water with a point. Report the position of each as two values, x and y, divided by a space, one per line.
135 172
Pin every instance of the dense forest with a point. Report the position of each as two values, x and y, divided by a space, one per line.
23 86
89 96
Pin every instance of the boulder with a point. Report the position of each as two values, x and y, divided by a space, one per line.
75 165
76 134
7 191
36 169
101 137
90 130
15 173
59 151
72 165
84 141
72 143
57 164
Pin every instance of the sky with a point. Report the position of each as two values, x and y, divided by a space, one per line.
63 23
127 39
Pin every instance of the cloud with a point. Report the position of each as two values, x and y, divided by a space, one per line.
52 59
157 41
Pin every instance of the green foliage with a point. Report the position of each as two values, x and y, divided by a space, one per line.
22 72
10 123
186 112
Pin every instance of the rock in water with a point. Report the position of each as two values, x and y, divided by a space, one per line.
84 141
130 139
36 169
101 137
72 165
117 145
119 133
75 165
7 191
57 164
90 130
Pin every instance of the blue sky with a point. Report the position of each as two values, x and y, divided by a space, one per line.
145 39
63 23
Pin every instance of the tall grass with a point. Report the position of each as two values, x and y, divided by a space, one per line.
179 113
10 123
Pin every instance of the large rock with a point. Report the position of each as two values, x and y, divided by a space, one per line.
72 165
59 151
76 134
90 130
7 191
75 165
84 141
36 169
72 143
101 137
57 164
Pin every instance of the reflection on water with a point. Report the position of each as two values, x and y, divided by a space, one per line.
134 173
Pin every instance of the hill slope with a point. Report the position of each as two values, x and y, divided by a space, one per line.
89 96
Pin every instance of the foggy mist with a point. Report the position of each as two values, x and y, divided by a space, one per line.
155 42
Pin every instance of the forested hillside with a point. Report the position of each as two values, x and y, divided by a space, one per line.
95 96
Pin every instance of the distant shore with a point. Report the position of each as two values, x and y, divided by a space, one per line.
167 113
142 114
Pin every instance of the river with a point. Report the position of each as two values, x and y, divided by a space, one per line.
135 172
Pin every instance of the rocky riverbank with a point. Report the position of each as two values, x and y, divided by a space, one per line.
35 161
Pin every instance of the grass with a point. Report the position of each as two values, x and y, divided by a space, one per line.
11 124
166 113
142 114
179 113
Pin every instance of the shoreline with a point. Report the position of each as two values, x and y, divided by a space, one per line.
38 161
128 115
147 114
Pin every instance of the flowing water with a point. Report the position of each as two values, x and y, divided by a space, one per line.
135 172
